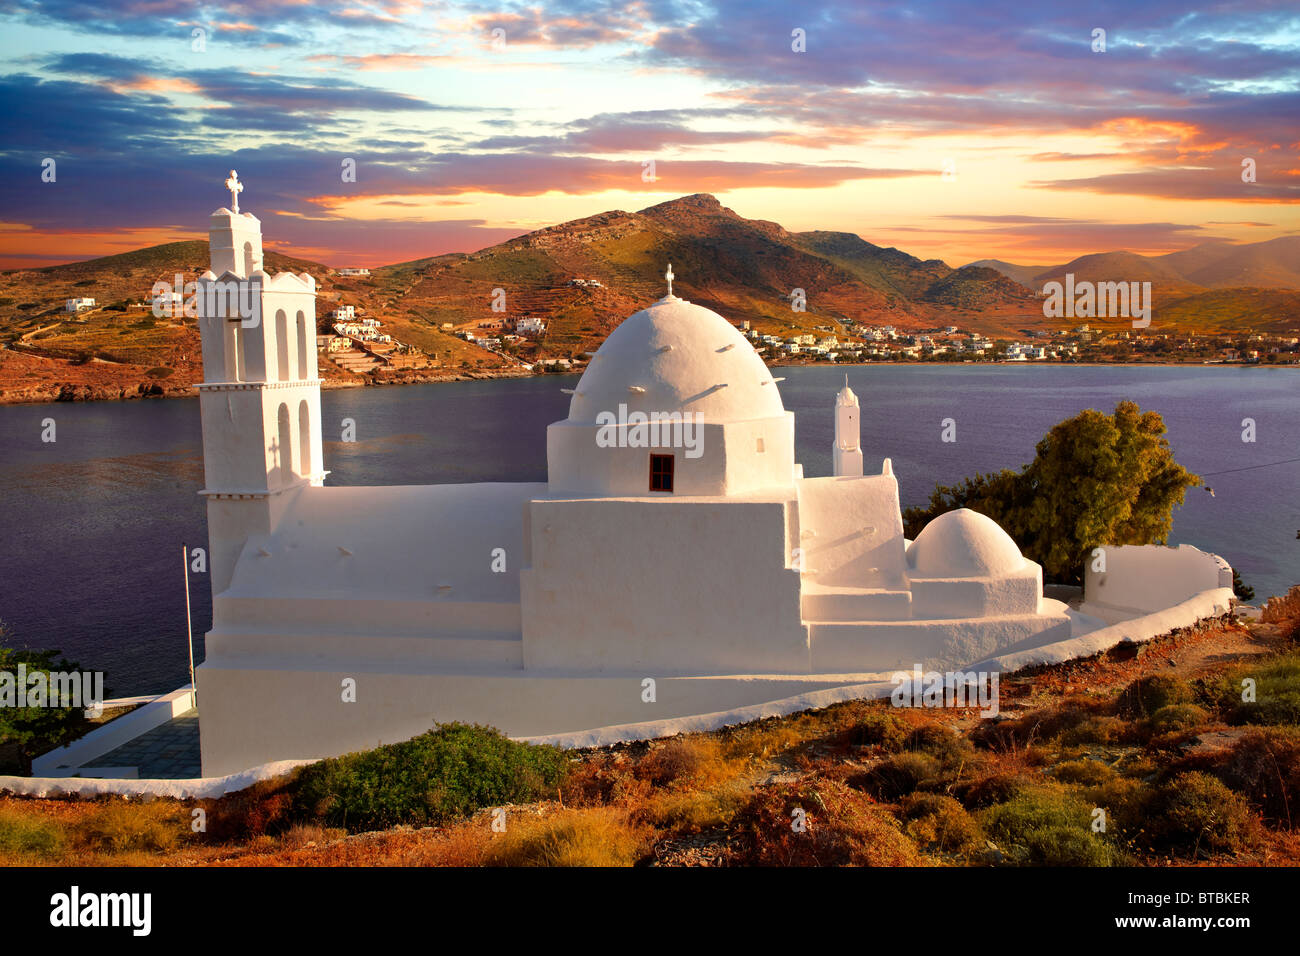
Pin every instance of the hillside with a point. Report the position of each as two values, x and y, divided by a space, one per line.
1273 264
119 349
1022 274
746 269
1119 267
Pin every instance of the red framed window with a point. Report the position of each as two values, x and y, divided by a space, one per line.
661 472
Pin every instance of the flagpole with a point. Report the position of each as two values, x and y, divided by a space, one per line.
189 628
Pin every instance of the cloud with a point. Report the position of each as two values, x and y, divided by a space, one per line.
1190 184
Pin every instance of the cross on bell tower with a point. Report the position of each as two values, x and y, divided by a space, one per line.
235 187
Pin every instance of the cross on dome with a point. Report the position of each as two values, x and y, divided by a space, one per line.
669 276
235 187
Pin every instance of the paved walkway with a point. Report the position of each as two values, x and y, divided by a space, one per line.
169 752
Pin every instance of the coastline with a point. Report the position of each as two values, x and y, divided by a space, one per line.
58 392
47 393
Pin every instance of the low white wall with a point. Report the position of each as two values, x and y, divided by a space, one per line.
1211 603
199 788
1140 579
115 733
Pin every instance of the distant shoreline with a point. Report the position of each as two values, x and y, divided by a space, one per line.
57 393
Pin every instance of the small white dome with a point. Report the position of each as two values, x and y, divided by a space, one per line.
964 544
676 356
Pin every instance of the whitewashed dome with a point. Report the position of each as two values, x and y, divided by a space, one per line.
676 356
964 544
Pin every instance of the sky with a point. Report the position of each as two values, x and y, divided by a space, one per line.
957 131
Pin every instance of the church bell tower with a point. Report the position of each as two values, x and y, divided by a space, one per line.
260 397
848 448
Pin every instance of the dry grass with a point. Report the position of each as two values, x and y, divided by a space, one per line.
602 836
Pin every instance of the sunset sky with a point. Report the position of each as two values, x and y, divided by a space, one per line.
461 142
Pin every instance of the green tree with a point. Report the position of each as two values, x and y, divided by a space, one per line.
26 732
1096 479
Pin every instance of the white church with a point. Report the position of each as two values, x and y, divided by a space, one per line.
685 571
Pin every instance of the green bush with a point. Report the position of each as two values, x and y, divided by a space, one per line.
1044 826
1195 811
1146 695
1178 717
26 732
1277 691
1085 773
446 773
1069 846
23 834
1093 731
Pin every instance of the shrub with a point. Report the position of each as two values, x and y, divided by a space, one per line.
693 811
841 828
1146 695
1264 767
121 825
1178 717
940 823
1069 846
28 835
447 772
878 728
1086 773
939 742
1277 691
600 836
1195 811
682 758
161 371
1038 727
898 776
998 788
262 809
1093 730
1047 827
